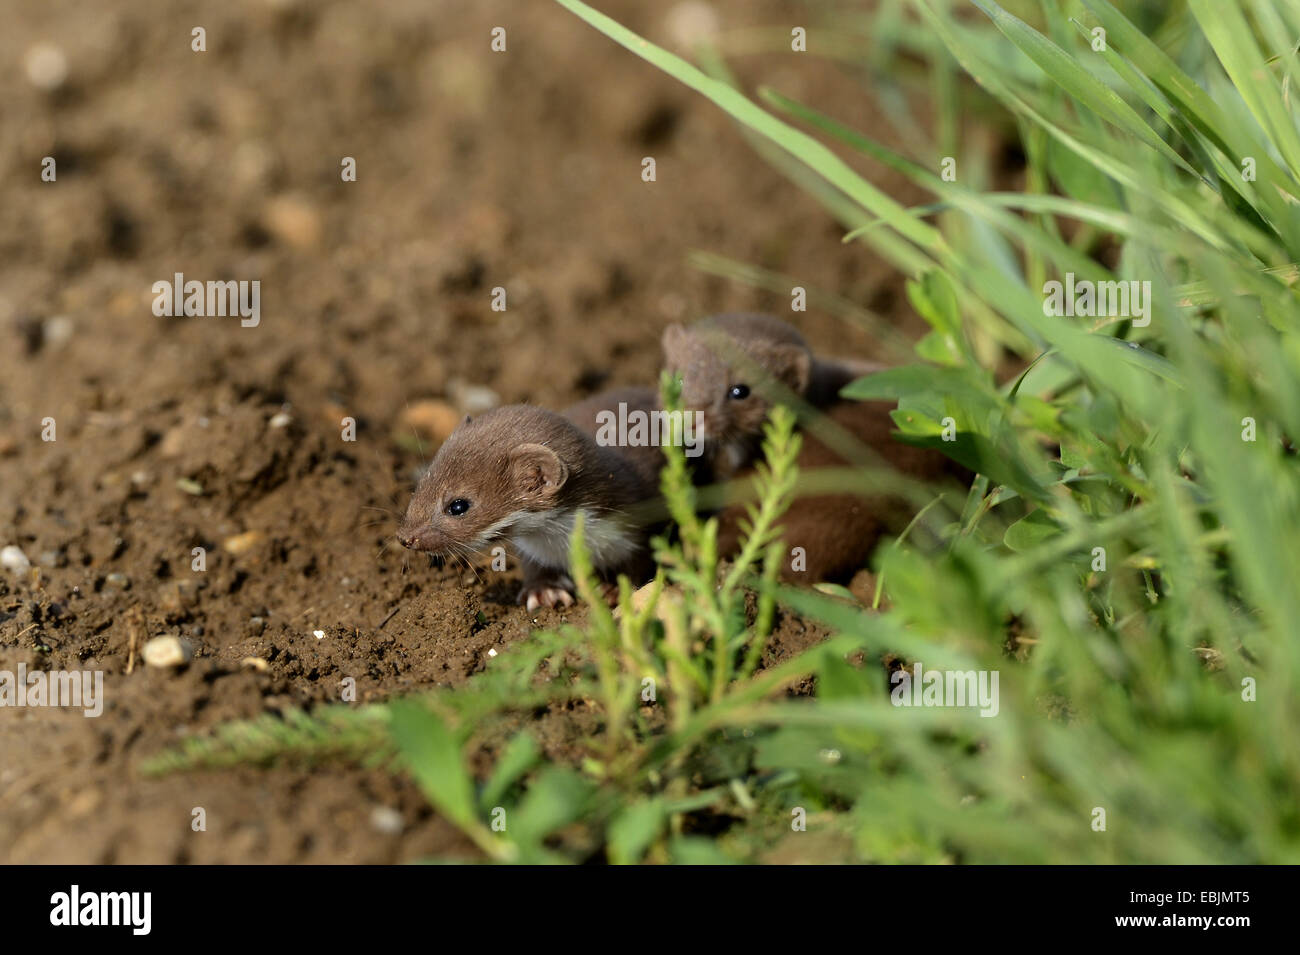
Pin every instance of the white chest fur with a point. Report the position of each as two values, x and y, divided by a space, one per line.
544 538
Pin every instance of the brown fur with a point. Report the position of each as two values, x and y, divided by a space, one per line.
761 352
839 531
647 461
523 458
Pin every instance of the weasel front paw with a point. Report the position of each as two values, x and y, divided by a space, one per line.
539 596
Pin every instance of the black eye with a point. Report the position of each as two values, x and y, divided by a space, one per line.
738 392
457 507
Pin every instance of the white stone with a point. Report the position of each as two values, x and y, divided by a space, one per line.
167 652
46 66
692 23
13 558
473 399
57 331
386 820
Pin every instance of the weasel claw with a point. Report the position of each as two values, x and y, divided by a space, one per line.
547 597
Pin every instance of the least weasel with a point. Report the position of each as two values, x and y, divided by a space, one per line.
522 474
733 368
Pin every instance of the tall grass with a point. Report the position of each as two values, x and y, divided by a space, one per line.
1126 559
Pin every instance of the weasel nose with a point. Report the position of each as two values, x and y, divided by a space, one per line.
419 538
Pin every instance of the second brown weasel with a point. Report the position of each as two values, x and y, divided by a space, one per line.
523 474
733 369
735 366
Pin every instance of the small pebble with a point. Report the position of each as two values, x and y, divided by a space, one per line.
173 442
242 543
167 652
178 595
491 652
473 399
255 663
57 331
281 420
13 558
292 220
46 66
430 418
691 23
118 581
641 596
318 634
386 820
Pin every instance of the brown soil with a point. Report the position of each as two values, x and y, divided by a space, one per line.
475 170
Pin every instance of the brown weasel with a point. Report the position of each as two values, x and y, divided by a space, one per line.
733 368
522 474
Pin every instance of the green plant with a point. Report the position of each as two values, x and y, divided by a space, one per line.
1123 539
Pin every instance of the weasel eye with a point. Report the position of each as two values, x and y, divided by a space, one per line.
738 392
457 507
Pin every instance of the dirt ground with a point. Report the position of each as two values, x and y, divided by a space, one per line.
475 170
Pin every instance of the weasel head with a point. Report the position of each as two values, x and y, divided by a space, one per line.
733 368
492 472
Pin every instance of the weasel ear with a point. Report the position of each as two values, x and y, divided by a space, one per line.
674 339
536 469
791 365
